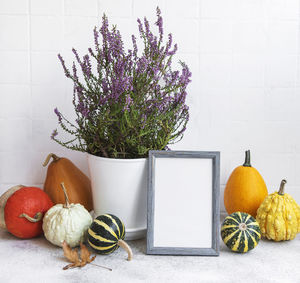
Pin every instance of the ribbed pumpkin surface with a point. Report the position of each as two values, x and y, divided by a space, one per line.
240 232
105 232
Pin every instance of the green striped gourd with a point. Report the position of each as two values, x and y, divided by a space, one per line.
106 234
240 232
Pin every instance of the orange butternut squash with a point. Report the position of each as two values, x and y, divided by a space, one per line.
245 189
62 170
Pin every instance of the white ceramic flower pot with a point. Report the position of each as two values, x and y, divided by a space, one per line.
119 187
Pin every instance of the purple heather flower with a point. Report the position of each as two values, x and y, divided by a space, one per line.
102 100
149 34
104 27
129 61
135 49
172 52
96 36
174 78
78 121
85 112
123 81
159 23
185 108
67 72
105 87
185 75
187 117
76 55
92 52
182 131
128 101
79 91
141 29
75 71
153 44
58 114
54 134
86 66
169 43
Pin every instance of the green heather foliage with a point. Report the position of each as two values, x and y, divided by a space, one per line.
133 102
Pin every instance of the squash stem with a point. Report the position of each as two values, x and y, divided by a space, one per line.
125 246
247 159
281 189
34 219
67 202
50 155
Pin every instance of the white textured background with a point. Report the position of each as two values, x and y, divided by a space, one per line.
245 93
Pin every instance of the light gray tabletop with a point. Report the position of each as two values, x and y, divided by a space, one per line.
37 260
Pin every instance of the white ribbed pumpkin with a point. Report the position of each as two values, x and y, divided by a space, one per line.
66 222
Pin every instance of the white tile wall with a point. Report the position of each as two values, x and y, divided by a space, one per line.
15 34
244 56
14 6
9 95
283 36
281 70
245 64
146 8
245 32
15 67
281 9
119 8
45 68
81 8
215 36
78 33
46 7
46 33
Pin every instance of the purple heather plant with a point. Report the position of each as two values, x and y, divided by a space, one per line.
133 102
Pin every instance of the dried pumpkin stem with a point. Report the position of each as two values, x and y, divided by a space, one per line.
125 246
38 217
50 155
247 159
110 269
67 202
243 226
71 265
281 189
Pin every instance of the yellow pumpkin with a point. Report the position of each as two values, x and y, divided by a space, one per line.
63 170
245 189
279 216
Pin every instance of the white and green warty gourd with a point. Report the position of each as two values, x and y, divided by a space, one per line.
66 222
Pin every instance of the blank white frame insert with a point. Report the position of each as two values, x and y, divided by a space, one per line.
183 203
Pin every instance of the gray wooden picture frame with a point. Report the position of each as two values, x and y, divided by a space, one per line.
214 249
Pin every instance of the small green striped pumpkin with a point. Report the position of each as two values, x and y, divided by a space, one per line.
240 232
106 234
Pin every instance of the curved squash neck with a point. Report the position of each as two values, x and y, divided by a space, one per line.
50 155
247 159
125 246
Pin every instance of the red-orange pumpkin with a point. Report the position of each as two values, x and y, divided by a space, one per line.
24 211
